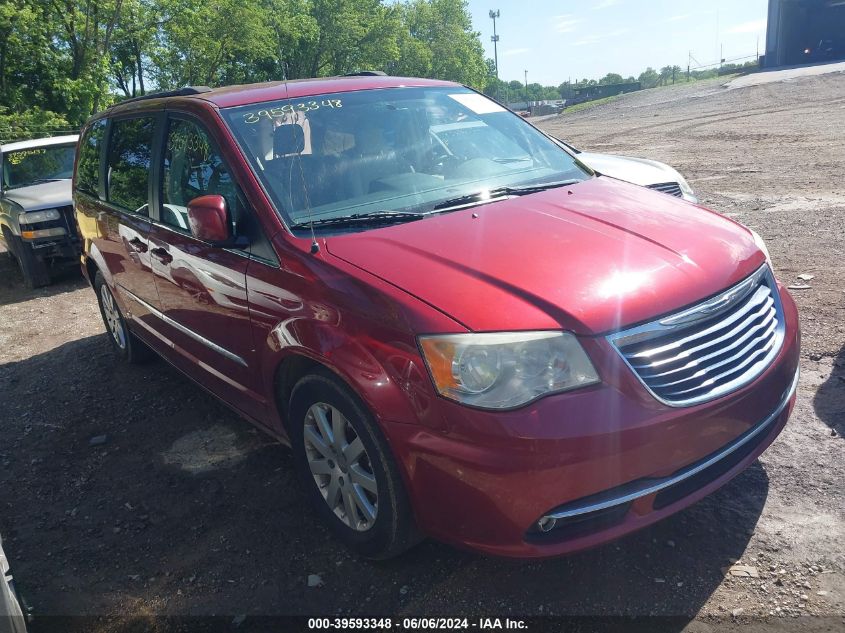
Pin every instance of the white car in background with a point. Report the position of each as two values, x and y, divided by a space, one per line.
11 614
637 171
37 223
469 139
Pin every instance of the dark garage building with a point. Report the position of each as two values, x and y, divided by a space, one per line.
805 31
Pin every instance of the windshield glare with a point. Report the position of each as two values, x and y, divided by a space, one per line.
393 150
30 166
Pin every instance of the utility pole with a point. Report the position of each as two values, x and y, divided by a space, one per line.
719 45
526 86
495 39
689 64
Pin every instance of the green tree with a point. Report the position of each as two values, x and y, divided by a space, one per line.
351 35
54 55
211 43
437 40
134 40
611 78
649 78
68 58
32 123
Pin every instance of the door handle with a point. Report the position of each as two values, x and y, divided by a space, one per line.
162 255
138 245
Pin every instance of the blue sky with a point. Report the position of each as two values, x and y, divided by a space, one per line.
556 40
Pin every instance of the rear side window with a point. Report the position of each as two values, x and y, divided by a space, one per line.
88 169
129 157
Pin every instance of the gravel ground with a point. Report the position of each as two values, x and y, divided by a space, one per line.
127 491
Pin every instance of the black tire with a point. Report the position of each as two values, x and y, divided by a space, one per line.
33 269
127 346
393 531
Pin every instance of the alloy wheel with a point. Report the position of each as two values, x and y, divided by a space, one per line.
341 466
114 323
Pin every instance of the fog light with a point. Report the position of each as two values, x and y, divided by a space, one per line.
546 524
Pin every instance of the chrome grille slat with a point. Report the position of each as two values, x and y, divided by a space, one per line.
732 371
711 349
670 188
744 328
757 343
756 299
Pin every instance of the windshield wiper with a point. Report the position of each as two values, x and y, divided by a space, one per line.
376 217
483 197
390 217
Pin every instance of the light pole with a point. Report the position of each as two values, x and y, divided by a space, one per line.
526 86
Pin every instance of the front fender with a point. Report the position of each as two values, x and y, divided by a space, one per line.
387 374
9 212
352 323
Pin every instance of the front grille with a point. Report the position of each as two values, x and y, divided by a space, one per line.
711 349
69 220
672 188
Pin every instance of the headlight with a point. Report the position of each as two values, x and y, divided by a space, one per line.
758 241
39 216
689 194
506 370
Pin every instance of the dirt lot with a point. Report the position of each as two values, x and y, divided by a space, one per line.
184 509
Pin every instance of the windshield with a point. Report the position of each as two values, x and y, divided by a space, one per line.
399 150
38 164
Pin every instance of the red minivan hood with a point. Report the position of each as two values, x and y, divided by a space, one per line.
590 258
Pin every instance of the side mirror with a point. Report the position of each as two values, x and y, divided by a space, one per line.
208 218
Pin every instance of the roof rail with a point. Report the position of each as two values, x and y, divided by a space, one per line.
186 91
366 73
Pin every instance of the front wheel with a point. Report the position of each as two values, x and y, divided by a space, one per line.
33 269
347 470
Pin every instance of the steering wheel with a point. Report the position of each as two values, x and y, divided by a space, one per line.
441 161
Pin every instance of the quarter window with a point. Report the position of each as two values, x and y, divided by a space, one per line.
88 169
129 164
192 168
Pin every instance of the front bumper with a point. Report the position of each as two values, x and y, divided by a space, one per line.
603 461
61 247
668 489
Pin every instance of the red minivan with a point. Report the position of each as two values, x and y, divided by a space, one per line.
461 330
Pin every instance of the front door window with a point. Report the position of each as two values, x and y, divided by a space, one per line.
192 168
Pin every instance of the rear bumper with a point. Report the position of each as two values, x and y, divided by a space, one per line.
603 462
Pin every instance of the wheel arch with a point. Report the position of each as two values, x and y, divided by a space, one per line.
290 370
8 236
297 364
91 269
94 263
